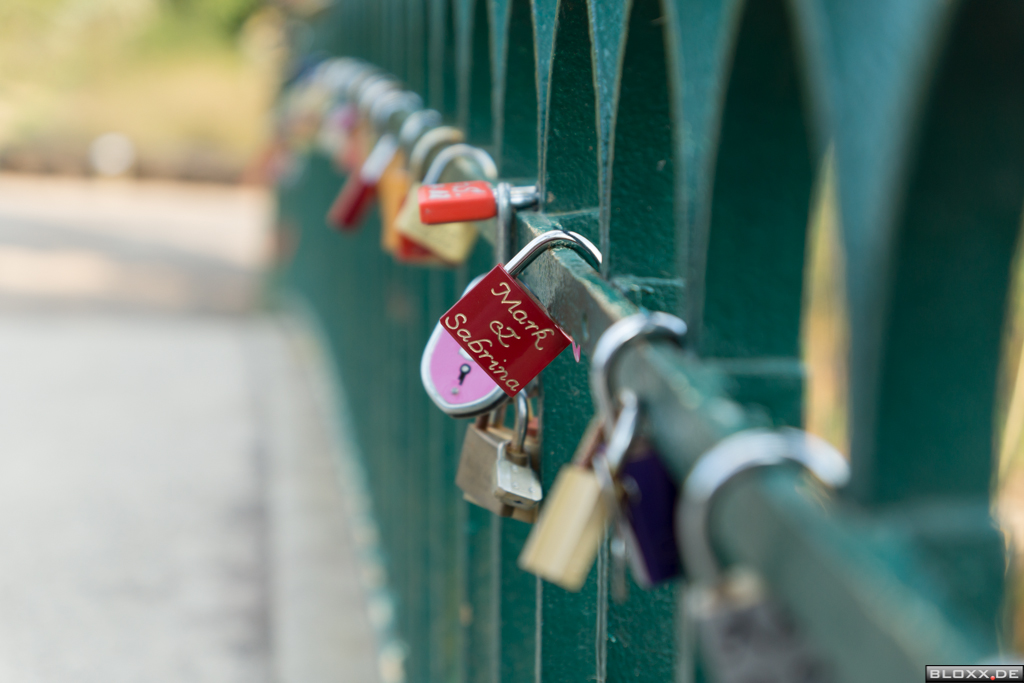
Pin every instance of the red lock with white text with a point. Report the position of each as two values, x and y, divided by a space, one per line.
474 200
500 325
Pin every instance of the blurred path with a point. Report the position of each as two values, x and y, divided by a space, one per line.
167 504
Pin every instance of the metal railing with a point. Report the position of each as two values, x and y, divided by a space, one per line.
684 138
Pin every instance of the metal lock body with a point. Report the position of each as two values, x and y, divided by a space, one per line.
394 187
475 476
648 496
453 380
586 496
502 327
466 201
341 115
743 637
562 547
515 481
452 241
496 467
360 189
473 200
741 634
642 490
352 155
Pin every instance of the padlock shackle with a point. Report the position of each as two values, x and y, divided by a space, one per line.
731 457
428 142
332 73
549 240
373 88
391 103
367 73
508 199
460 151
606 465
415 125
337 75
519 429
609 348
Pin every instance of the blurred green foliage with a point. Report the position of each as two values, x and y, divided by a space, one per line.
223 16
172 74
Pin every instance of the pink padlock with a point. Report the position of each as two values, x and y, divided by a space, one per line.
502 326
453 380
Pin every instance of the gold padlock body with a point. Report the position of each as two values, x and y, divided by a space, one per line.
564 543
476 473
392 188
452 242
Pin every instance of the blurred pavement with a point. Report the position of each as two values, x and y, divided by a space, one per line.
168 509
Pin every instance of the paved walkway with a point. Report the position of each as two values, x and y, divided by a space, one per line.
168 506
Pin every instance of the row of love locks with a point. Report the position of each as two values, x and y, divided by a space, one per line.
488 349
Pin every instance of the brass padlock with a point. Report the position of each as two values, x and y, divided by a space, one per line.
561 548
452 242
497 467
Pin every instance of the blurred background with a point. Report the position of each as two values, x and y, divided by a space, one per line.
152 88
163 473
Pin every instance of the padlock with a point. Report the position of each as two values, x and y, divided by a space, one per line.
516 482
454 243
421 149
502 327
562 546
741 634
585 497
648 495
340 115
644 491
362 94
454 240
394 187
355 198
453 380
335 129
474 200
486 444
307 100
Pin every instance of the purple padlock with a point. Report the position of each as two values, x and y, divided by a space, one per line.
649 495
453 380
632 475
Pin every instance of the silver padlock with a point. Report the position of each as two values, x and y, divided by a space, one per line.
740 634
516 483
485 443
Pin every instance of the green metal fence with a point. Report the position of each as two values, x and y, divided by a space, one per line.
684 137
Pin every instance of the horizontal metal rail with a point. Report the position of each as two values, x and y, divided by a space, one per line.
821 558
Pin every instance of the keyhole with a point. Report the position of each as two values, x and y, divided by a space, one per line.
463 371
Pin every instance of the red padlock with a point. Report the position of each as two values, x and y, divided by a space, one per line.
457 202
500 325
359 191
474 200
378 102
